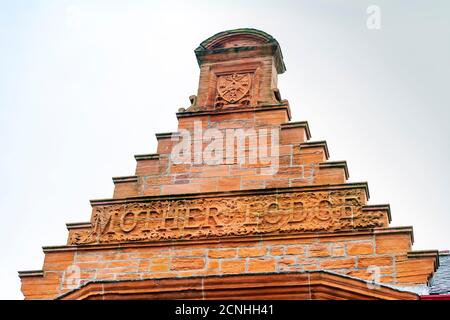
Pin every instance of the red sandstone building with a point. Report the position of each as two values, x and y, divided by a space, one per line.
236 229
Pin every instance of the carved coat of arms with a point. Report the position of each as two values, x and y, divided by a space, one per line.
233 87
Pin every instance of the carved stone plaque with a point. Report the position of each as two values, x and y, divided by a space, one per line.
228 216
234 87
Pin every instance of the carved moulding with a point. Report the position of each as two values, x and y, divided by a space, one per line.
228 216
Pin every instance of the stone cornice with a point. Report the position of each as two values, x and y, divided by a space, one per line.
281 106
231 239
326 187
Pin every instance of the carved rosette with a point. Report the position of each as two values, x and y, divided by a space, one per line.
233 88
229 216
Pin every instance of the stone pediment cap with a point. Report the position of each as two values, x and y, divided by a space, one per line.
240 40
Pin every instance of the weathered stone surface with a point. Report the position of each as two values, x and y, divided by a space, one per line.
198 225
226 216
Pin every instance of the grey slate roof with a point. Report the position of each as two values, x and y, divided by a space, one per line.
440 283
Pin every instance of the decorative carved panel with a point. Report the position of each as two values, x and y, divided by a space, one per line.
229 216
233 88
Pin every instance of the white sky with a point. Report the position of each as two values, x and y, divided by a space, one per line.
85 85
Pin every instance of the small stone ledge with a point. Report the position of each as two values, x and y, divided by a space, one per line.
418 254
335 164
377 207
298 124
31 273
404 229
150 156
315 144
166 135
125 179
78 225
